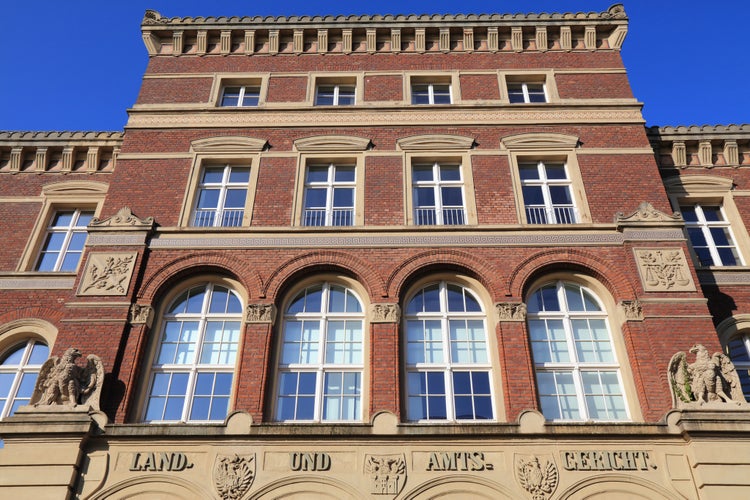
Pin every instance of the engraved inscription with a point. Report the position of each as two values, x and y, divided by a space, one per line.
607 460
458 461
302 461
157 462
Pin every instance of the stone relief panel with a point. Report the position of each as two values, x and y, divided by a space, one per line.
664 270
385 313
538 476
710 382
387 473
107 274
124 218
511 311
233 475
261 313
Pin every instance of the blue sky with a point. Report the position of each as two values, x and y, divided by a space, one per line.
77 65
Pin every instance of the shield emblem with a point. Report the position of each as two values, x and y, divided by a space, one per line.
233 475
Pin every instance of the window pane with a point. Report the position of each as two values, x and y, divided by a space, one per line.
239 175
555 172
450 173
315 197
343 197
532 195
344 174
424 197
39 354
560 195
422 173
317 174
235 198
452 196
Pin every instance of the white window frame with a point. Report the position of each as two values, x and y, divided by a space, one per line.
329 211
68 232
431 92
525 90
576 367
195 368
223 186
337 88
741 366
705 228
436 184
321 367
550 210
19 371
448 367
244 90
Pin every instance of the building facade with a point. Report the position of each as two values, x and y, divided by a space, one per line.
377 257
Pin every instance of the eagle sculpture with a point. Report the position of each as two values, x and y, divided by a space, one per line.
63 382
708 380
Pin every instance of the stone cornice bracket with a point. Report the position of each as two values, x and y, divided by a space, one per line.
632 310
385 313
704 146
647 216
141 314
511 311
261 313
125 220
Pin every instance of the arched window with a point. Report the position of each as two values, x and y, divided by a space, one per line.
577 372
448 370
19 368
739 352
321 361
194 363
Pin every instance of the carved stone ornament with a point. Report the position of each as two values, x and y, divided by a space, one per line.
62 382
511 311
140 314
387 473
234 475
710 382
538 476
261 313
632 309
107 274
664 270
385 313
645 214
123 218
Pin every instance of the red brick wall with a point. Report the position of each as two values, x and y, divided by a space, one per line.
593 86
175 90
287 88
384 88
479 87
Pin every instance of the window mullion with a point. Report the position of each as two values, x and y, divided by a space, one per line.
525 89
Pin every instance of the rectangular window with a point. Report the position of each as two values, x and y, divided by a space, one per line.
240 96
526 92
547 193
335 95
221 196
63 245
438 192
710 235
329 195
431 93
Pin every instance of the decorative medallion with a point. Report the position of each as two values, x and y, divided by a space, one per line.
261 313
511 311
539 479
708 382
387 473
107 274
664 270
385 313
234 475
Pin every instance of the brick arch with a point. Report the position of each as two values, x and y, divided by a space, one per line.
195 263
455 260
325 260
52 316
569 259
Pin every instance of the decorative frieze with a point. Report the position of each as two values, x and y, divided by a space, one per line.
385 313
107 273
664 270
511 311
261 313
701 146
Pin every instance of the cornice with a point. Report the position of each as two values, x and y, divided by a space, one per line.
408 33
696 132
154 18
705 146
57 138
